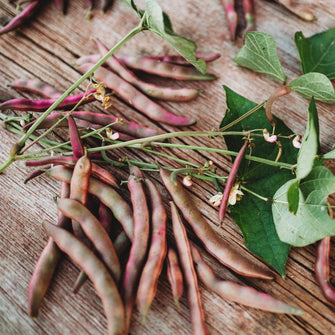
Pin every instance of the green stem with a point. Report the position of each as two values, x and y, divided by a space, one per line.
23 140
255 194
247 114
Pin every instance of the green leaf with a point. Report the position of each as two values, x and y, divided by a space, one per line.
317 53
237 107
259 54
311 222
329 155
159 23
310 144
254 217
315 85
293 196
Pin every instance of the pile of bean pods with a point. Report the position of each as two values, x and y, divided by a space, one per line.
97 227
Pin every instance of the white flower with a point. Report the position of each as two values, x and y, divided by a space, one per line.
234 195
268 138
216 199
112 136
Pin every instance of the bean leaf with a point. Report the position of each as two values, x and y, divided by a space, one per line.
259 54
311 222
253 215
315 85
158 22
317 53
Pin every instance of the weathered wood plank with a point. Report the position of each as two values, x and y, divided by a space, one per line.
46 49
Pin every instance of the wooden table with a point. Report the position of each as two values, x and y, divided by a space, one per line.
46 49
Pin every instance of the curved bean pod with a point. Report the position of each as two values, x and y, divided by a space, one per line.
212 242
140 242
44 104
230 181
98 274
107 195
77 145
135 98
97 120
78 191
46 264
154 91
36 86
69 161
174 275
21 18
243 295
165 69
147 287
180 60
322 269
94 231
186 262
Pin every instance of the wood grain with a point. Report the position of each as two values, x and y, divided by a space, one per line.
46 49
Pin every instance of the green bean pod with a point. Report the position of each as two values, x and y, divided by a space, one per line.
107 195
138 249
184 251
243 295
212 242
147 287
94 231
97 273
46 264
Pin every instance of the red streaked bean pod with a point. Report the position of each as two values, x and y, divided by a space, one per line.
165 69
46 264
138 249
154 91
249 15
107 195
44 104
191 281
131 95
231 17
230 181
60 4
213 243
69 161
98 274
175 276
178 59
36 86
21 18
94 231
322 269
147 287
77 145
98 120
243 295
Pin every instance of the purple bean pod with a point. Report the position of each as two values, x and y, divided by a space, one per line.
180 60
61 5
231 17
46 264
22 18
138 249
121 210
36 86
164 69
131 95
231 180
243 295
154 91
43 105
93 120
322 269
77 145
98 274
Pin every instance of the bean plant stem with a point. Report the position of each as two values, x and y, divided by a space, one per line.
20 144
255 194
